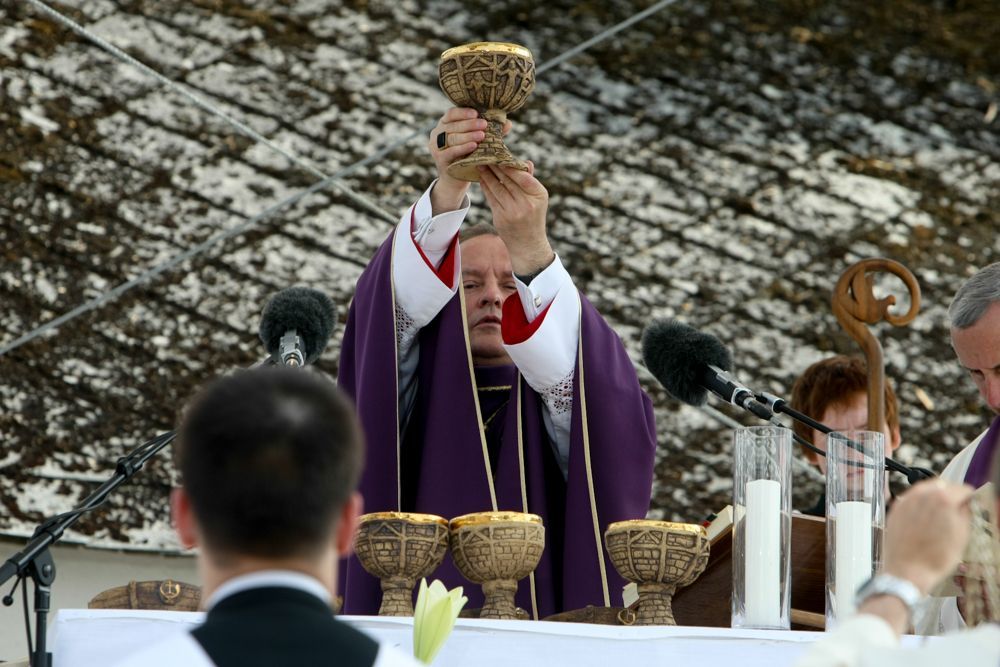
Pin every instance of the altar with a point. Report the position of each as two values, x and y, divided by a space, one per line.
83 638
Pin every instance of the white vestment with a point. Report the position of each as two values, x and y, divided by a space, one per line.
934 615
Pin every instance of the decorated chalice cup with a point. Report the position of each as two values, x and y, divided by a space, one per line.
496 550
494 78
660 557
399 548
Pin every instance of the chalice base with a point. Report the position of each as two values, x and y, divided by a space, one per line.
397 597
656 604
499 602
491 151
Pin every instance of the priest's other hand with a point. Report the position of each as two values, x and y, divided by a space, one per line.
462 131
927 531
519 203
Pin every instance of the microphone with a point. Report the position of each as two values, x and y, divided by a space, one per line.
690 363
296 325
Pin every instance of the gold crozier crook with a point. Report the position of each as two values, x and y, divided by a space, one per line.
855 306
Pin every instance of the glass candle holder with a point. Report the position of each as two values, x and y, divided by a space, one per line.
855 516
762 499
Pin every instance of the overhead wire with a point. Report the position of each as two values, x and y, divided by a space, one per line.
205 105
326 180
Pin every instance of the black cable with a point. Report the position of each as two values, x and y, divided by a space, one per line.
777 404
805 443
813 448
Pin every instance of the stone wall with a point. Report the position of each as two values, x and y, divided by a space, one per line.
722 162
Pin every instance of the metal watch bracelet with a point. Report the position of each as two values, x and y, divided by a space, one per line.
887 584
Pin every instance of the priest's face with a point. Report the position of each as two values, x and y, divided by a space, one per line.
978 350
487 279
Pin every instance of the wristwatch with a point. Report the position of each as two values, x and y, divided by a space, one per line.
886 584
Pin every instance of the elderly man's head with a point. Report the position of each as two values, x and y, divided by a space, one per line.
975 331
488 279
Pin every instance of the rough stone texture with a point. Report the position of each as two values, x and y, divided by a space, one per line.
723 162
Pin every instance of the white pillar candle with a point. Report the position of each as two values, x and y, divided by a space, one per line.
853 554
763 554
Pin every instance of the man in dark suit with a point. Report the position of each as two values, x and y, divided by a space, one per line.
269 461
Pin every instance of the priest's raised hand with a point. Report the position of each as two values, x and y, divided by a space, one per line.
520 204
456 135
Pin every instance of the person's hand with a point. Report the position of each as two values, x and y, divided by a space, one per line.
462 131
927 531
519 203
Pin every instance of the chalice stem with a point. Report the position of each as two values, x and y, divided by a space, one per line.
397 597
656 604
499 601
491 150
495 119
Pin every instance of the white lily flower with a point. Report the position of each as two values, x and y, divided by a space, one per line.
434 617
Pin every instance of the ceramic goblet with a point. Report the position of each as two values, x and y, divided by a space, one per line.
495 78
399 548
496 550
660 557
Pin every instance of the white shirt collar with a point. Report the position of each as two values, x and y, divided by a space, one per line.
269 578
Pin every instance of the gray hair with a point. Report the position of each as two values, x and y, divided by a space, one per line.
975 297
478 229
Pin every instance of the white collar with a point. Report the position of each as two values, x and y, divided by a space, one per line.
269 578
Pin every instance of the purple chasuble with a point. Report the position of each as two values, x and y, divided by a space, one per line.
980 465
443 464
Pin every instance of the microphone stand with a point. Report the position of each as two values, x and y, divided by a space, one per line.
35 560
779 405
722 384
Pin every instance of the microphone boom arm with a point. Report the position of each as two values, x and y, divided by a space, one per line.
779 405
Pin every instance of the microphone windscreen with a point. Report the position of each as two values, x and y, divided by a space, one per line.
677 354
310 312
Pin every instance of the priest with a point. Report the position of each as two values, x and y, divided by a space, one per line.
485 381
974 316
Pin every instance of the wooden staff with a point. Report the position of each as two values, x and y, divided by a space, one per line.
855 305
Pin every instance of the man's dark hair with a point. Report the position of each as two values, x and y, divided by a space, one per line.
268 457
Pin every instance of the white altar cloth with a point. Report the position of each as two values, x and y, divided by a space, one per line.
85 637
